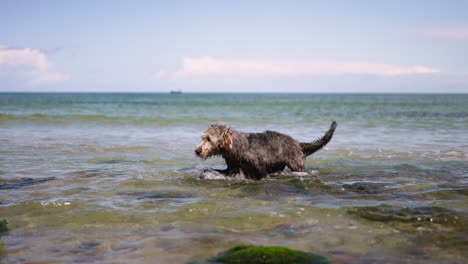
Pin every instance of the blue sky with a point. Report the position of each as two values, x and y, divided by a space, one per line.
234 46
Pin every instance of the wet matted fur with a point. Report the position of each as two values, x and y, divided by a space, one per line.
255 155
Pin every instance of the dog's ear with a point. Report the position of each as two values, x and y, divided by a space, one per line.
226 139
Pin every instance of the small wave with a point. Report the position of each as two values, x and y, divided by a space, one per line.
42 118
98 119
455 154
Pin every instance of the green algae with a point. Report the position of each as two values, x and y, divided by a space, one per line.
267 254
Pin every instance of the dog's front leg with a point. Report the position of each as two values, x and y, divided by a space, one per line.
225 171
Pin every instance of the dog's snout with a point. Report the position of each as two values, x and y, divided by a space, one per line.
197 151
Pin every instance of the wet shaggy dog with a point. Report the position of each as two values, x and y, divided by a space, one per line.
255 155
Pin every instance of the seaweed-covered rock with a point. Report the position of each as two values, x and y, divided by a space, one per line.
3 227
267 254
426 214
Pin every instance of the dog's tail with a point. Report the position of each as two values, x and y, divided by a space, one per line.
309 148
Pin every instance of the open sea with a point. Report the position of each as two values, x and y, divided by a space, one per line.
112 178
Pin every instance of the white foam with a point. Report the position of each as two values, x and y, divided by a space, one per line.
210 174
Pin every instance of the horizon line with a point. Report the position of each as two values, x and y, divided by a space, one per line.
182 93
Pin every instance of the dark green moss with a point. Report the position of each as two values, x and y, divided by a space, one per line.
267 254
3 227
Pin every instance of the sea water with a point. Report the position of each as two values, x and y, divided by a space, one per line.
113 178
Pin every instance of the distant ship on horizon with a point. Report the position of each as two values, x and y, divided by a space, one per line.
175 92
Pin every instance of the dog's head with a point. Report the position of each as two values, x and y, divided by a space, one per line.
216 140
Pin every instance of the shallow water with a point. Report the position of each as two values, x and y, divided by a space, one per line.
112 178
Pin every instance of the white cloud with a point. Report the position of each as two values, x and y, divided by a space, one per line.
30 65
451 33
209 66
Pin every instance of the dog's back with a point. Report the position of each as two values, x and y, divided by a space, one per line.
259 154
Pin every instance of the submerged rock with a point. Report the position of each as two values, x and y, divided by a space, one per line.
267 254
18 183
3 227
366 187
426 214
